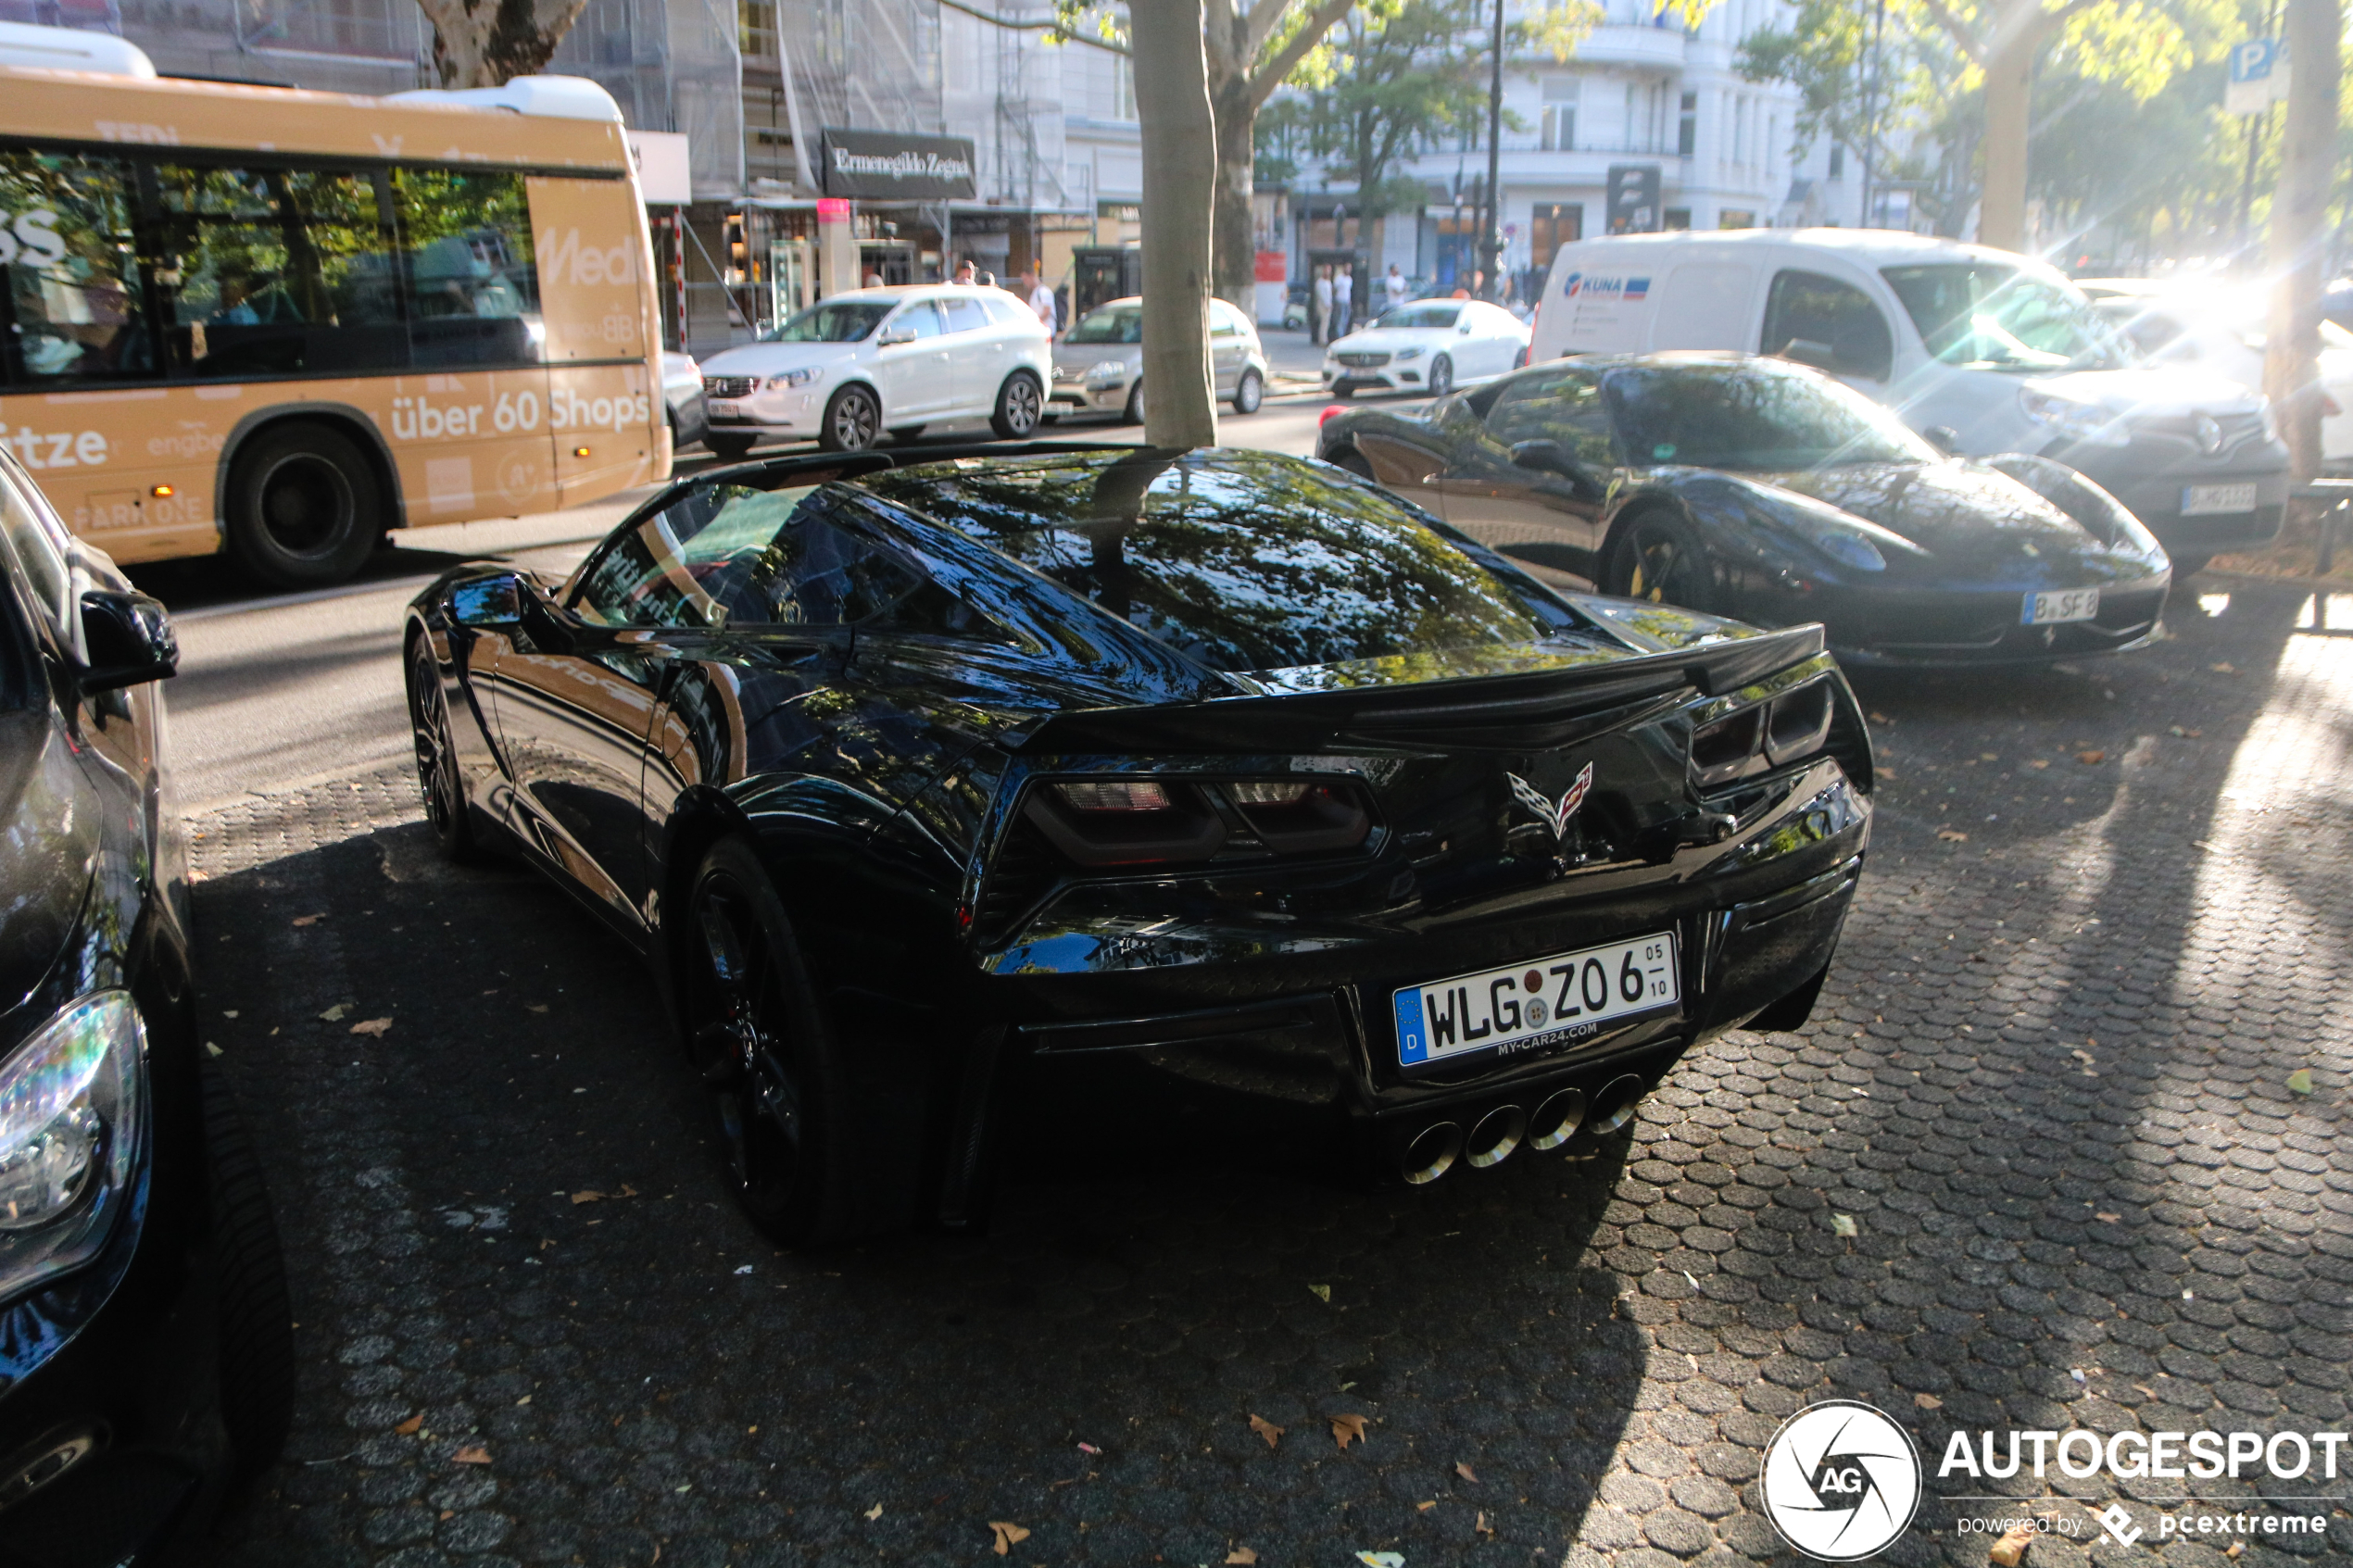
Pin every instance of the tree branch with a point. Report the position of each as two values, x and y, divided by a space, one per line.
1259 26
1959 31
1269 76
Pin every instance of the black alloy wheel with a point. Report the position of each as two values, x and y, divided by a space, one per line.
1249 392
254 1308
852 420
1657 559
728 449
437 776
1442 375
1020 402
305 509
756 1035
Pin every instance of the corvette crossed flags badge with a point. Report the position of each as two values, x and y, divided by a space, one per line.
1554 814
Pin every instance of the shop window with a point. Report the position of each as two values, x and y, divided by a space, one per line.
1735 217
1678 217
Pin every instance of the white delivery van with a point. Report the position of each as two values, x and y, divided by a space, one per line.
1981 350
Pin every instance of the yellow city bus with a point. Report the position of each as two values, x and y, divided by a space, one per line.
281 323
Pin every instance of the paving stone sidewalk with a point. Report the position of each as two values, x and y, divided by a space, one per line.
2106 917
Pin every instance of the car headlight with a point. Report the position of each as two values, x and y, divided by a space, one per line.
2088 424
1108 371
72 1115
792 378
1405 353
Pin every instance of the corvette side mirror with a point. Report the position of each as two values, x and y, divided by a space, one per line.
1944 438
129 640
487 602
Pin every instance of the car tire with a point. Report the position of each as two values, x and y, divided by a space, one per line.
1656 556
814 1154
1020 402
905 432
305 506
438 778
854 419
1442 375
1353 462
256 1310
729 448
1249 392
1134 413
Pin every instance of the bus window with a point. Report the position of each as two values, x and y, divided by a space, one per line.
66 239
279 270
473 294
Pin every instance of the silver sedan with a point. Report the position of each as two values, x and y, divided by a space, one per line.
1099 364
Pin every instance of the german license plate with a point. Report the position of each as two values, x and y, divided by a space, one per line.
2206 500
722 408
2068 604
1536 1005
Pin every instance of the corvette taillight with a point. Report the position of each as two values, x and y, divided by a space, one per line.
1165 821
1116 795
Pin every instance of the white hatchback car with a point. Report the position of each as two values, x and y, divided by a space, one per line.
853 366
1427 346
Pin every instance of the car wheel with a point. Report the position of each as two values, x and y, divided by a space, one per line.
305 506
852 420
728 449
1249 392
1353 462
1442 376
1019 402
1134 413
905 432
2188 566
809 1163
1658 559
437 775
255 1312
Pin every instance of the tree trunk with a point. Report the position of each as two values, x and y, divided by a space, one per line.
2009 105
2299 224
1180 157
489 42
1233 220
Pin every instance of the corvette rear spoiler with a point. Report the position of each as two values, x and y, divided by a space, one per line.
1528 709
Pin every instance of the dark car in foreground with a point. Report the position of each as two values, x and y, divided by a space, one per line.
1759 489
145 1350
929 785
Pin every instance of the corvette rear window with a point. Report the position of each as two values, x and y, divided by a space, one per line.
1244 561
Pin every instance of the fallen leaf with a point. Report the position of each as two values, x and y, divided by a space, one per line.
1381 1559
334 1014
2010 1551
1463 1469
1346 1429
744 1269
2224 669
1321 1292
2182 733
1842 1224
626 1191
2106 1217
1952 835
409 1427
2082 1055
2040 762
308 920
538 1007
874 1514
1426 1507
371 1027
1007 1537
1928 1401
1242 1555
2300 1081
589 1197
472 1453
1989 756
211 1050
1483 1527
2091 758
1266 1429
1879 718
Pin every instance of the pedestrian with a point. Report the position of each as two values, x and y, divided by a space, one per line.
1041 300
1344 290
1394 286
1321 308
873 279
968 271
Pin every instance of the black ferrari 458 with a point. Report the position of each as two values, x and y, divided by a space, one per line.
1756 488
927 788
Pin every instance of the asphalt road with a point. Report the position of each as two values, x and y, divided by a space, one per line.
2047 1091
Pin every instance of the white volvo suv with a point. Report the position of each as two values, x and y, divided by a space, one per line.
853 366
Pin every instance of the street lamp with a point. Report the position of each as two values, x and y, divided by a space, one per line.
1491 232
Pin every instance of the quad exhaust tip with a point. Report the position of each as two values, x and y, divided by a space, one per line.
1503 1129
1498 1133
1615 1105
1432 1153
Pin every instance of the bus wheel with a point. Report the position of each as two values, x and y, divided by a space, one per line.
852 420
304 508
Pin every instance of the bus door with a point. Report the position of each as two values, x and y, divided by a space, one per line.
604 400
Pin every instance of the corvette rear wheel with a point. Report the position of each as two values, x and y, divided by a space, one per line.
1658 559
437 775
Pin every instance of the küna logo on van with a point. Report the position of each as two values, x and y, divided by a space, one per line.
1625 290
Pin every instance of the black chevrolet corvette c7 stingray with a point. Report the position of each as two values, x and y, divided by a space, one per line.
918 785
1753 487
